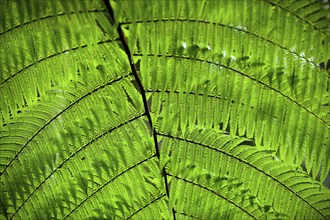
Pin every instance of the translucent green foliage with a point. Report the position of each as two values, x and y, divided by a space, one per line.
149 109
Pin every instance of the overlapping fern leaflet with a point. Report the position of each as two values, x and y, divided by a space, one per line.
237 104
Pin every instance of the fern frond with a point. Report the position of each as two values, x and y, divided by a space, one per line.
164 109
260 171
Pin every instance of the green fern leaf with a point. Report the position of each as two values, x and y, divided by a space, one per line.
164 109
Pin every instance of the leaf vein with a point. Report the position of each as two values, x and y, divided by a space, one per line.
61 112
247 163
51 56
49 16
73 155
96 191
244 75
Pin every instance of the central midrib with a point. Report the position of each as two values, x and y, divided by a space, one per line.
142 91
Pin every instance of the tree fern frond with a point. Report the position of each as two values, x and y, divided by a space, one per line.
46 45
308 11
259 111
27 12
283 84
57 117
115 189
164 109
267 166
